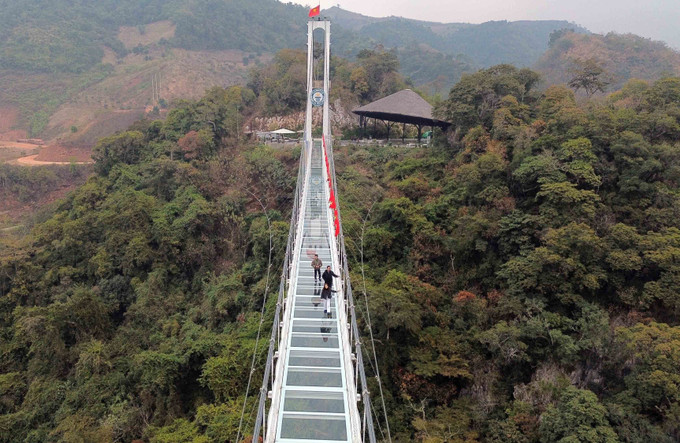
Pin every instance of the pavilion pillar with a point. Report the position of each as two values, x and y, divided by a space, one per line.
403 132
420 132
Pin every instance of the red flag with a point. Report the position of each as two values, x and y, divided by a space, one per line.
315 11
337 223
332 200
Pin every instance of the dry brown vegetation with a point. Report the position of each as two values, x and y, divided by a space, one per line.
120 99
622 56
132 36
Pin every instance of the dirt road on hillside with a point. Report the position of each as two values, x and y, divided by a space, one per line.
31 161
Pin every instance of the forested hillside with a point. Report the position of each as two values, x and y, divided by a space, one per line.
89 64
490 43
65 64
621 57
436 55
60 35
280 86
40 35
75 71
521 274
142 289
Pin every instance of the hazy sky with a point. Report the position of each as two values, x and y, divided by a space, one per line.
656 19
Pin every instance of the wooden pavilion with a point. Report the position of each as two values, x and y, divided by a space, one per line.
405 107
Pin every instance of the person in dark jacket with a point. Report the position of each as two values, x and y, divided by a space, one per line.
328 276
326 294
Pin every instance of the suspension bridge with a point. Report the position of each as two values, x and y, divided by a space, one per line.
314 386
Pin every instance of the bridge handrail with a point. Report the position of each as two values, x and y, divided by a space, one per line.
360 373
274 340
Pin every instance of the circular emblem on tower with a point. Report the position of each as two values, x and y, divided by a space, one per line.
317 97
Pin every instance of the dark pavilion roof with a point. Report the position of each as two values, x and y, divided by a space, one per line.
403 107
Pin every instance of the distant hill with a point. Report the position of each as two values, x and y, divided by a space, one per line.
623 56
68 36
520 43
77 70
435 55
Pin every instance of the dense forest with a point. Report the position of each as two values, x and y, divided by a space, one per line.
134 305
521 273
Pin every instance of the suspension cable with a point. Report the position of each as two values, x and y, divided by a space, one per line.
367 406
264 306
259 421
375 367
377 422
370 326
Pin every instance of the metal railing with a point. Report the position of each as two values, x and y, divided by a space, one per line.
360 375
268 377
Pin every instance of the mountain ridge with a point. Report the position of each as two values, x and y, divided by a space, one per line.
206 43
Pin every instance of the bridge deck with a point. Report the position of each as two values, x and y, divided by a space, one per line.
314 397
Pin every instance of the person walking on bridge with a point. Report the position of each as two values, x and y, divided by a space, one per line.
316 264
328 276
326 294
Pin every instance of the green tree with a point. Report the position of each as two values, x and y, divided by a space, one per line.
474 99
128 148
588 75
577 417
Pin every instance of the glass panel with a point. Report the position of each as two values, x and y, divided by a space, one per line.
307 251
312 291
315 242
322 378
306 277
310 427
313 313
315 326
323 340
319 248
314 401
304 301
326 359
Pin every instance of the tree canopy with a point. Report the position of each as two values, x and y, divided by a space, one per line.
521 274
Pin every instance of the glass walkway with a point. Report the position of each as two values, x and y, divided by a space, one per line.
317 397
